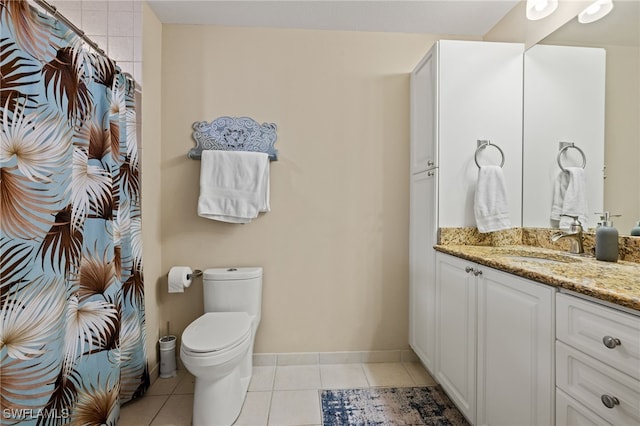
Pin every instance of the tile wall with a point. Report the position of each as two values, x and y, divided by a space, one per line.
114 25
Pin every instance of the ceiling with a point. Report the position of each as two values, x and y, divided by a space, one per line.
451 17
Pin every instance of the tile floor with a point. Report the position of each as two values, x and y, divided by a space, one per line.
278 395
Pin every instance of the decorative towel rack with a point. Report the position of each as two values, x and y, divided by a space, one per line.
564 146
482 144
234 134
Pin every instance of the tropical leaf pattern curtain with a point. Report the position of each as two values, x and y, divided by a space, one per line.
72 336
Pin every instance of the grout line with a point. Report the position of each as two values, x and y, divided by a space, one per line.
366 378
159 409
269 409
413 380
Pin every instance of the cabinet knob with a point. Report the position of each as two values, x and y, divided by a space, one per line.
468 269
610 342
477 272
430 163
609 401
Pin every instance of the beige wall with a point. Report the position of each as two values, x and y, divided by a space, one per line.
335 246
150 152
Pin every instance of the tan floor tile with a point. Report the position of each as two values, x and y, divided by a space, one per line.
343 376
387 374
255 411
141 411
186 385
297 377
166 386
262 378
292 408
177 411
294 400
420 376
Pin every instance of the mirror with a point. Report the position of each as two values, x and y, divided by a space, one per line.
617 36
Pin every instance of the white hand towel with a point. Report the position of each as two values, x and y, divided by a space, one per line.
557 197
491 208
570 197
234 185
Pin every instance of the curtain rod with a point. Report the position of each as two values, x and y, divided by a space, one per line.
54 12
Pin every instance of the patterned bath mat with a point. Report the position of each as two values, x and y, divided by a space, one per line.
389 406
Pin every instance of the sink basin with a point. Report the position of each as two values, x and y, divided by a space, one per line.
544 259
538 257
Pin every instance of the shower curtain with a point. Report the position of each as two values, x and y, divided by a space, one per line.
72 336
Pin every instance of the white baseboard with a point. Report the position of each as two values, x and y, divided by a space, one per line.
349 357
154 373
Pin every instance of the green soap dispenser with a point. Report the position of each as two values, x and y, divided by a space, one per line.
606 239
635 231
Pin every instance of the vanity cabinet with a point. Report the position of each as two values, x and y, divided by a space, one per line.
422 265
515 350
494 343
461 91
597 363
456 332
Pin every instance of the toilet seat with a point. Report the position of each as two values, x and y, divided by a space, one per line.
216 332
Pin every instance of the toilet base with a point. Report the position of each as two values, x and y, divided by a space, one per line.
219 403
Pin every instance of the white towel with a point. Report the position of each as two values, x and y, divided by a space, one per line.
570 197
491 208
234 185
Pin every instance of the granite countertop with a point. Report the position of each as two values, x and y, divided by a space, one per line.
615 282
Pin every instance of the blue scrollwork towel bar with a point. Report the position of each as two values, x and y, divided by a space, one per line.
234 134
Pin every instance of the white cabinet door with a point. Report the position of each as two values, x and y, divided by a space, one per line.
422 269
456 332
423 101
479 97
515 350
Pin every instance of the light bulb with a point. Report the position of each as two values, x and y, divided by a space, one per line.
596 10
541 5
538 9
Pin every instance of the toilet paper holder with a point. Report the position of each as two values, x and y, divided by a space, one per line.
196 273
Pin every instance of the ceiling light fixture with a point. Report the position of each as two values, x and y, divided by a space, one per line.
538 9
597 10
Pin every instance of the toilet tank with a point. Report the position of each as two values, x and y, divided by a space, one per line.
233 290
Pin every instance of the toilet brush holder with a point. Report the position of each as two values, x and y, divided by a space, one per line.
167 356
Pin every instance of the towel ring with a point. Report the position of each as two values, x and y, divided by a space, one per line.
482 144
565 146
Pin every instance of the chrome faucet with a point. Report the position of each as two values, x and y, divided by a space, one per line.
574 234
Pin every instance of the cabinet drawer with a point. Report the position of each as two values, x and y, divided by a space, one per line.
570 412
584 325
588 380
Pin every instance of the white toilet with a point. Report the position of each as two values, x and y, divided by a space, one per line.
217 348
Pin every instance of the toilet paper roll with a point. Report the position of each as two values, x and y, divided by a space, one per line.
179 279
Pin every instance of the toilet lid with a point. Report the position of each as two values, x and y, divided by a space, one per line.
215 331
